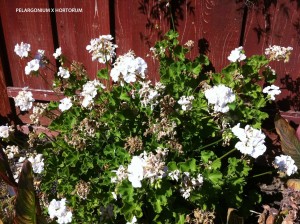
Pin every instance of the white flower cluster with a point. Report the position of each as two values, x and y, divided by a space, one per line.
188 183
272 91
220 96
271 70
24 100
22 50
121 174
285 164
102 48
146 166
186 102
58 209
57 53
4 131
65 104
11 151
64 73
40 55
251 140
133 220
278 53
37 163
149 95
127 68
237 55
32 66
89 91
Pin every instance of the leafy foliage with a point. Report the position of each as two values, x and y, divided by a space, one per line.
155 152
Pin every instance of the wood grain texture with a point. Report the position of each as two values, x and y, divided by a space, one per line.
75 30
32 28
138 25
39 94
5 109
277 23
214 25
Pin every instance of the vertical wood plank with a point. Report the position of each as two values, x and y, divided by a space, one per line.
277 23
214 25
75 30
30 27
5 109
139 24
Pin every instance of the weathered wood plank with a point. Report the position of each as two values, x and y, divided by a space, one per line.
214 25
30 27
38 94
138 25
75 30
5 109
277 23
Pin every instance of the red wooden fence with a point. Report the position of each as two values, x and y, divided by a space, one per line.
216 26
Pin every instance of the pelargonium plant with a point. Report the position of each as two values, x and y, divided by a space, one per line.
134 151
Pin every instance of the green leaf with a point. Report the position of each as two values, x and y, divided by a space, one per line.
188 166
103 74
124 96
126 191
289 142
172 166
26 200
206 156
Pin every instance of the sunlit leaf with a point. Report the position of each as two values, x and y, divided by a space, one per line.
25 202
289 142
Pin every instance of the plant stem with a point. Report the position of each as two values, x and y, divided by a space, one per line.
227 153
262 174
213 143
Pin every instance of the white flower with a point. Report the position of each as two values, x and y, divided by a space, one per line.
114 195
4 131
190 183
58 209
64 73
278 53
174 175
136 171
285 164
37 163
251 140
66 217
237 55
121 174
40 54
220 96
186 102
133 221
21 159
65 104
11 151
149 95
128 68
57 53
89 91
22 49
272 91
24 100
31 66
102 48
